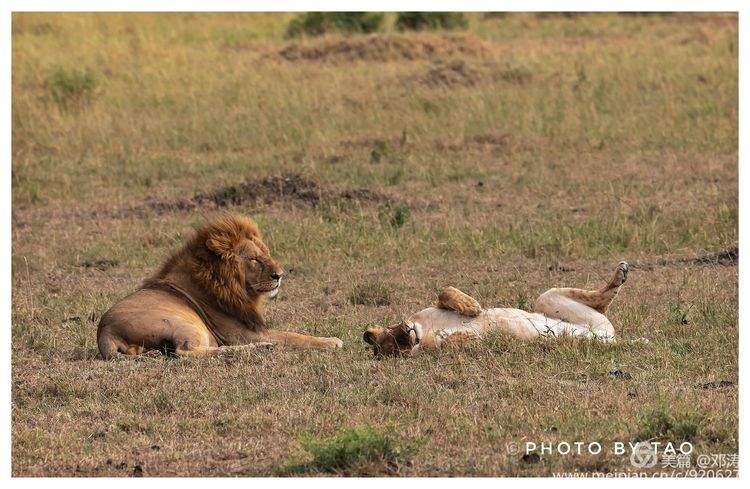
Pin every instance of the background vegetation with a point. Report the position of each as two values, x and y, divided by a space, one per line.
527 151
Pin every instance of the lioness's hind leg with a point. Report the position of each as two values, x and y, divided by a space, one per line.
454 300
619 277
600 299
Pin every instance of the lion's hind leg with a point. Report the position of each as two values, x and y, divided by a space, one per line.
112 345
452 299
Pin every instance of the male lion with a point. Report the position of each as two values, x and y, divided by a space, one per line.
206 298
459 318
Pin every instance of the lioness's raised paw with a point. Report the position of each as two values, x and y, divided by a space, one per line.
452 299
621 274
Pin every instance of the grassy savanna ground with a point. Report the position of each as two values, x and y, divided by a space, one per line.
528 152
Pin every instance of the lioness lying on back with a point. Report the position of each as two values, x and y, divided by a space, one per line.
458 318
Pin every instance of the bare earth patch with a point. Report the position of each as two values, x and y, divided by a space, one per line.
292 188
465 73
386 47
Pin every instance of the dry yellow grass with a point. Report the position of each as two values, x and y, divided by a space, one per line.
549 150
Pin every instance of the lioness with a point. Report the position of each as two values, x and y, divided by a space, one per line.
206 298
459 317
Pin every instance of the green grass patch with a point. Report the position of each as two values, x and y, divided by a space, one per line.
417 21
353 448
660 423
370 294
319 23
71 87
394 215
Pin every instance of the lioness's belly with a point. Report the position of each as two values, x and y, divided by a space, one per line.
516 322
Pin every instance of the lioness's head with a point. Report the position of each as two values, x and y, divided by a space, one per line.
230 261
391 340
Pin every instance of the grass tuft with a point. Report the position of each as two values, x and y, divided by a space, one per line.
71 87
319 23
354 447
660 423
370 294
417 21
379 151
394 215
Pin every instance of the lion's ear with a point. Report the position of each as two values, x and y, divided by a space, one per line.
221 245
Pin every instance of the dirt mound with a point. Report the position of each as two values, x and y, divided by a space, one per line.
725 257
268 190
468 73
386 47
497 143
728 257
452 74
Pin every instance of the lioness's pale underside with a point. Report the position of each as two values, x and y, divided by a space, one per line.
458 318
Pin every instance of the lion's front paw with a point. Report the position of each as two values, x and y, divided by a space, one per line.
333 343
151 354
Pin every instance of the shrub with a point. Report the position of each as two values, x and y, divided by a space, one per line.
353 446
677 314
660 423
379 152
415 21
370 294
319 23
71 87
394 215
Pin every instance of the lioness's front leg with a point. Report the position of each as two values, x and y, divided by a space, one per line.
288 338
452 299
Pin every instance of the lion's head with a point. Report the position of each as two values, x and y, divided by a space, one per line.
391 340
228 259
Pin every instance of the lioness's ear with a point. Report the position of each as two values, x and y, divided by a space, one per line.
369 337
221 245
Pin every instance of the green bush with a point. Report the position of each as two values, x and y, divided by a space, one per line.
394 215
415 21
659 423
319 23
379 152
352 446
71 87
